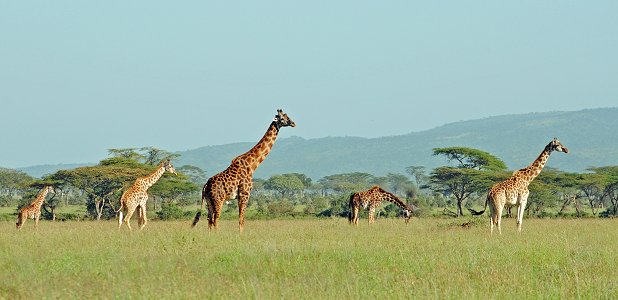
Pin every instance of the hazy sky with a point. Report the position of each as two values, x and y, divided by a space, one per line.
79 77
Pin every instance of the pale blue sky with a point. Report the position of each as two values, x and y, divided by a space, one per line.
79 77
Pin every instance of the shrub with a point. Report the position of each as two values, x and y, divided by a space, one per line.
171 211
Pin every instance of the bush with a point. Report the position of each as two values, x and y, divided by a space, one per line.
280 208
171 211
69 217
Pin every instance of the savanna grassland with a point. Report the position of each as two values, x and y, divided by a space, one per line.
311 259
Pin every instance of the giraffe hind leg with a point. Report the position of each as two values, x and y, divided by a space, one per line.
127 218
143 218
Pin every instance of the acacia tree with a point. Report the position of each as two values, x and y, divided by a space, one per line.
591 186
610 190
475 171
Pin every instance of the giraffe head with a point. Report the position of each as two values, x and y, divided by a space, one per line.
407 214
167 164
555 145
282 119
50 189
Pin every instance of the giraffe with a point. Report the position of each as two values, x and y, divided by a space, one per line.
372 198
136 196
33 211
514 190
236 181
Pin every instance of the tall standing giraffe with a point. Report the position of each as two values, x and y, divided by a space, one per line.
136 196
237 180
33 210
514 190
372 198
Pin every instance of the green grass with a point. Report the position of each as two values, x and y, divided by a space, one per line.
311 259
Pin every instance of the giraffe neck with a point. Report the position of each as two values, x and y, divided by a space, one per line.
393 199
533 170
151 179
256 155
40 198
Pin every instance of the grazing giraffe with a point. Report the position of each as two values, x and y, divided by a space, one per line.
237 180
136 196
514 190
372 198
33 211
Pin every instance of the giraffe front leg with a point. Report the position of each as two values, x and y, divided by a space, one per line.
372 211
520 210
36 220
20 221
243 198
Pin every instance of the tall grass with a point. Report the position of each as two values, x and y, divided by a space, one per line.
309 259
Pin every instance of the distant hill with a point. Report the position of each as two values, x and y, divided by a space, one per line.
591 136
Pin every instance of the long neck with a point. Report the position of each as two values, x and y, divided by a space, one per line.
40 198
154 177
392 198
533 170
256 155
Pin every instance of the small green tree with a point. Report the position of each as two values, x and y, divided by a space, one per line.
475 172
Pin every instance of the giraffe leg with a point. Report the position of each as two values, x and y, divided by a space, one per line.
216 214
520 211
242 205
211 213
36 220
20 221
143 217
372 211
127 218
499 218
355 212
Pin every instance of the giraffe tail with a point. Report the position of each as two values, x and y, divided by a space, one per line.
478 213
196 219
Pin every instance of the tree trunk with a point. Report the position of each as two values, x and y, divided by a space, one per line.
459 207
99 208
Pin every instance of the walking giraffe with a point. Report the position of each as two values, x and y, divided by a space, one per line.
372 198
514 191
236 181
33 211
136 196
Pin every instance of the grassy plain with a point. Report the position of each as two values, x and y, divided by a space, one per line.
311 259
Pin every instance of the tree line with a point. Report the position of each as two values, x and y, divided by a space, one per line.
446 190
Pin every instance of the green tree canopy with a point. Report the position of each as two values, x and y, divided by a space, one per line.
470 158
285 184
347 182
